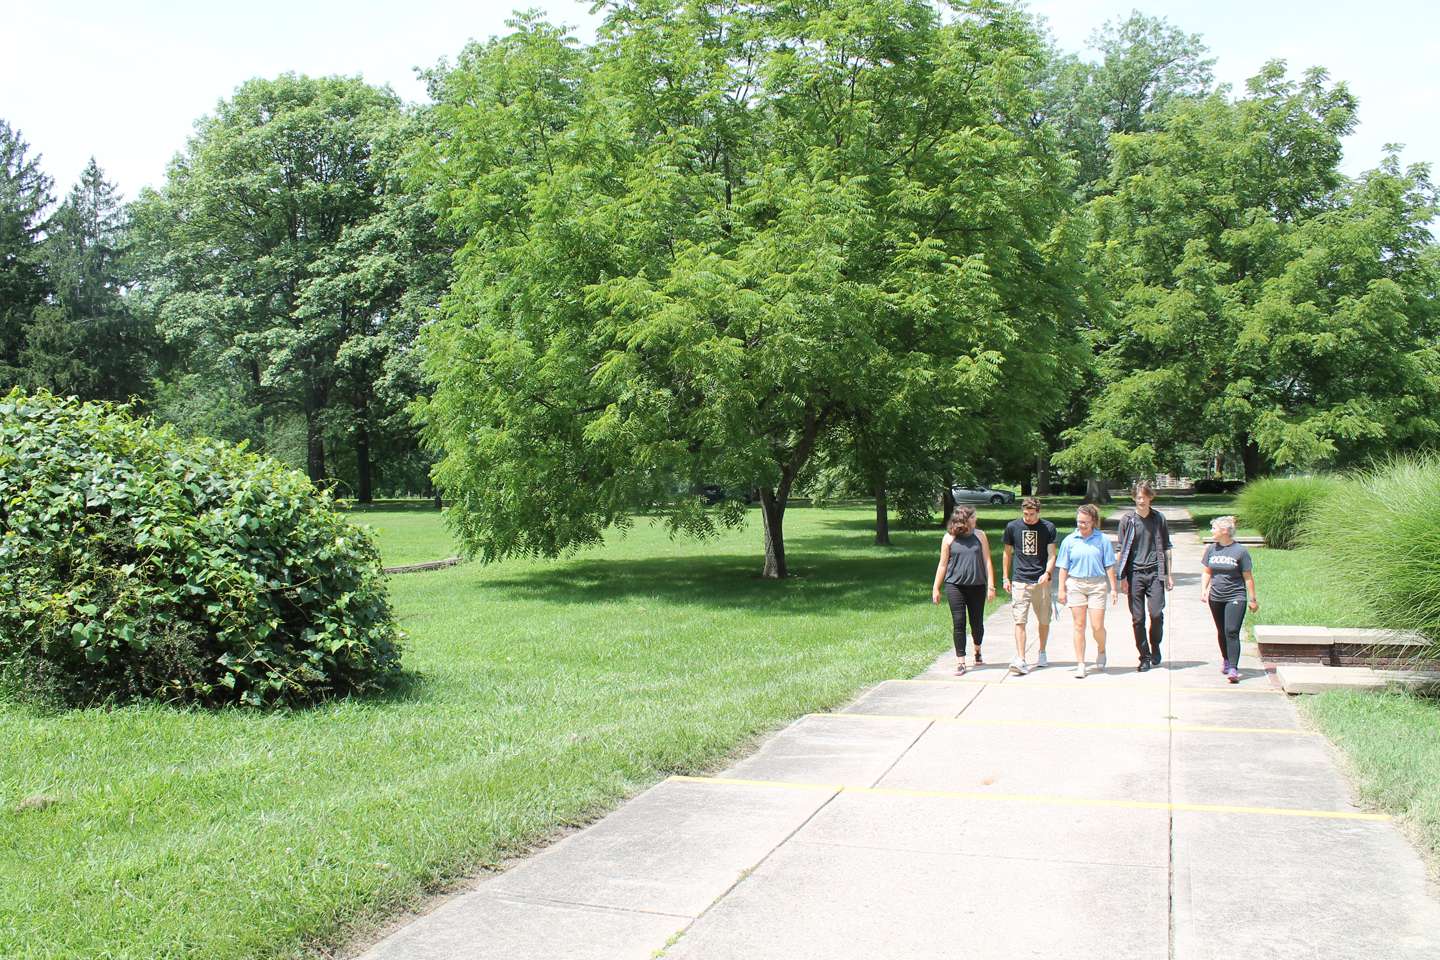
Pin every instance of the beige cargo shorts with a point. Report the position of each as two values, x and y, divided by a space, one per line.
1025 597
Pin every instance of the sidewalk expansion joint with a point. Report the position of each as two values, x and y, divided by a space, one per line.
1036 798
744 874
1098 687
988 855
602 907
1070 724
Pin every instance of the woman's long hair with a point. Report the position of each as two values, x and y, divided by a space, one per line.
962 520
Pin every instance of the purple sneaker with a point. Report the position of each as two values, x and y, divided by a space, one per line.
1232 675
1225 669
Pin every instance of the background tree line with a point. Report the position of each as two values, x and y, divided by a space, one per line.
839 247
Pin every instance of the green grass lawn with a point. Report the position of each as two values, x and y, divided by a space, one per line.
1293 589
540 695
408 534
1392 743
1205 507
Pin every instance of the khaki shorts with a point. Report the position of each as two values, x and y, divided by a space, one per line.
1090 592
1025 597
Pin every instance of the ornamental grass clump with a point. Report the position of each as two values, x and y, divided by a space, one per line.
138 564
1388 520
1278 506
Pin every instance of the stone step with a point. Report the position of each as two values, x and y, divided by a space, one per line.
1313 678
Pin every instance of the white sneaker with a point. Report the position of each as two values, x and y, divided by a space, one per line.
1042 660
1100 662
1080 670
1019 667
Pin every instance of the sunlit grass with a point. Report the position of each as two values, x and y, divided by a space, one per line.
1392 742
540 695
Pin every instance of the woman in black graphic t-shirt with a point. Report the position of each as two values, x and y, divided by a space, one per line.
968 577
1227 584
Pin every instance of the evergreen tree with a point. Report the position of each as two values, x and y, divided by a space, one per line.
87 341
24 199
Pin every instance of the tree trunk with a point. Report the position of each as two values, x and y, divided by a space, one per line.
1042 474
314 448
1025 487
363 465
1097 490
772 502
882 516
773 509
1250 456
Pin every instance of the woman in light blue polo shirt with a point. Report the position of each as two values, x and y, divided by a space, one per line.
1086 568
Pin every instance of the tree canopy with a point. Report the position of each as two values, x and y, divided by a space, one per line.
1263 302
284 260
702 247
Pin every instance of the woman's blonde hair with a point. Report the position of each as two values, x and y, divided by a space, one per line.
961 516
1223 523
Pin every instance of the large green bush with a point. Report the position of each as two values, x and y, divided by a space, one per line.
1385 524
1278 506
137 563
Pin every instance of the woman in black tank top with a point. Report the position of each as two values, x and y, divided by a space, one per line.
968 579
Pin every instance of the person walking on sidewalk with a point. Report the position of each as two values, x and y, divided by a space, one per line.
968 577
1086 565
1228 586
1030 543
1145 567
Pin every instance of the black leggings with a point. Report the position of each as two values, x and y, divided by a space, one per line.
1229 615
966 599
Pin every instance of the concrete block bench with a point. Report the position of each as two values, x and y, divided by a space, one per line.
1339 646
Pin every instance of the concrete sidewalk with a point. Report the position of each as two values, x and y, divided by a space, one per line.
1125 815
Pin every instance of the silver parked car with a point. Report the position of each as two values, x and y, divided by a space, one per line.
981 495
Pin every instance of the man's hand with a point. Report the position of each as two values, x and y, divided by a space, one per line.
1169 582
1044 579
934 596
1125 587
990 593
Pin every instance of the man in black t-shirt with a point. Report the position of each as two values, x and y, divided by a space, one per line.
1030 544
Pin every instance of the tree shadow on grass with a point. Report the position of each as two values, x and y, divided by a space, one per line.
819 581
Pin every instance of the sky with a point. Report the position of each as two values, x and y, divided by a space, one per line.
125 80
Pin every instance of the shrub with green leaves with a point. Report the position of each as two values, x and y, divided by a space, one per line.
139 564
1278 506
1388 519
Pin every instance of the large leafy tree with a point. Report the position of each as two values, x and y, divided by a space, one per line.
1145 67
25 199
1265 304
87 341
256 266
701 249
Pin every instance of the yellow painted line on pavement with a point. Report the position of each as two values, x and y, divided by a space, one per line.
1039 799
1090 684
1162 725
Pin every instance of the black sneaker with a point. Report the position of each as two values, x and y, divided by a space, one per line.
1144 665
1155 657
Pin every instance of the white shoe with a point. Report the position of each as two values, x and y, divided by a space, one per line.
1042 660
1019 667
1080 670
1100 662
